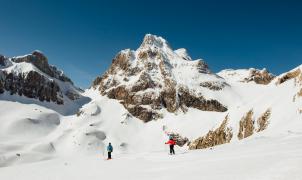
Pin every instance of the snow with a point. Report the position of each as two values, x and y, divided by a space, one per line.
262 158
39 132
182 52
22 67
235 75
41 140
70 107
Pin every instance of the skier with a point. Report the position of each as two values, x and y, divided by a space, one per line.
171 143
110 150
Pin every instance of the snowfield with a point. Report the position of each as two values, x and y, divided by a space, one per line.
45 140
262 157
40 143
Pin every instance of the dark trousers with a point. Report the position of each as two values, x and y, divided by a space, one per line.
172 149
109 155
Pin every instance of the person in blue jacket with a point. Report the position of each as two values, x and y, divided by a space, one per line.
109 150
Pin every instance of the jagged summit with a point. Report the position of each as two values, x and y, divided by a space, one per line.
153 41
154 77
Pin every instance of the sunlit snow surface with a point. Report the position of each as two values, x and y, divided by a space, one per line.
39 142
262 158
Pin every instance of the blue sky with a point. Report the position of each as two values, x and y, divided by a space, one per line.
82 36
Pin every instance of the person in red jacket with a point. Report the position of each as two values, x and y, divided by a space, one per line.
171 143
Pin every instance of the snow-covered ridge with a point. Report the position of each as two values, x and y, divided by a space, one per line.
154 42
182 52
40 61
247 75
31 76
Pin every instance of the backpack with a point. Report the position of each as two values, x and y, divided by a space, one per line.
109 148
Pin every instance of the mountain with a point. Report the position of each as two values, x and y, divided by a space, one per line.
247 121
154 79
32 77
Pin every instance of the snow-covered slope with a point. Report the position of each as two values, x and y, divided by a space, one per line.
258 132
261 158
247 75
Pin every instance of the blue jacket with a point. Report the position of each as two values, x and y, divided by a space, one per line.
109 148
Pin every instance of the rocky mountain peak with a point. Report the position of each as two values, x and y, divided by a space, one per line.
40 57
155 78
153 41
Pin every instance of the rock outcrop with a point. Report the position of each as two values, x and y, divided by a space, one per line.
1 82
215 86
288 76
246 126
152 79
300 93
260 76
263 120
221 135
2 60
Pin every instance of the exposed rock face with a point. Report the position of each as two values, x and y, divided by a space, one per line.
298 80
1 82
300 93
215 86
40 61
31 76
246 125
151 79
221 135
72 95
288 76
260 77
32 85
263 120
187 99
2 60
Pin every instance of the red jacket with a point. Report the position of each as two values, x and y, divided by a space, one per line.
171 142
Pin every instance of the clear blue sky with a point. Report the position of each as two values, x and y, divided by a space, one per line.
82 37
